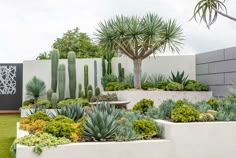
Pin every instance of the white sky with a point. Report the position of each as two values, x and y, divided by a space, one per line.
29 27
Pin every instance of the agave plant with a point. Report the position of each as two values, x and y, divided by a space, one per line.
35 88
100 124
74 112
108 108
156 79
178 77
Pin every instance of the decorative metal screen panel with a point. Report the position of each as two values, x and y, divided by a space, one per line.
8 80
11 86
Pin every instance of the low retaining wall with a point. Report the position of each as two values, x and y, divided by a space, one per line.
201 139
158 96
134 149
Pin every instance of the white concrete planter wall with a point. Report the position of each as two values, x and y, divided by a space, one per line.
26 112
134 149
201 139
157 65
158 96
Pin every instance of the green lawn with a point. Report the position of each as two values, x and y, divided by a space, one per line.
7 134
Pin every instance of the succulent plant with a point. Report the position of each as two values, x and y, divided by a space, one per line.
49 94
100 125
74 112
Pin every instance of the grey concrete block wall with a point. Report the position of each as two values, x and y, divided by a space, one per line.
217 69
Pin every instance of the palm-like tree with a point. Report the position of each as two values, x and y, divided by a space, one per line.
139 37
208 10
35 89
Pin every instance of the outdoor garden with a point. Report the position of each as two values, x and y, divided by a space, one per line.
92 121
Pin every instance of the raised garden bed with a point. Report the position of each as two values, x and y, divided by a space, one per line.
138 149
201 139
158 96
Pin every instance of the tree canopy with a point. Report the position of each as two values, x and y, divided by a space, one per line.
78 42
139 37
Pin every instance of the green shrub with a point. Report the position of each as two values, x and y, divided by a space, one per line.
147 85
45 103
59 129
174 86
126 128
213 102
201 87
163 84
62 119
190 85
145 128
28 102
143 105
184 114
81 101
107 79
39 116
182 102
116 86
38 141
206 117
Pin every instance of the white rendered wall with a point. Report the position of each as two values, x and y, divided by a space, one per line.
158 96
134 149
201 139
160 64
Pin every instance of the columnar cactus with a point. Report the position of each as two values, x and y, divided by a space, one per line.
61 81
49 94
97 91
80 91
119 72
89 95
90 87
54 100
95 74
54 65
109 68
103 67
72 73
122 75
86 79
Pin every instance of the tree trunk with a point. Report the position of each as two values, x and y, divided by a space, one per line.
137 73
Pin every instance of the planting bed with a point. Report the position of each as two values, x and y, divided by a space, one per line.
158 96
138 149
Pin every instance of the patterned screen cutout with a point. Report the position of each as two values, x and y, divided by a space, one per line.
7 80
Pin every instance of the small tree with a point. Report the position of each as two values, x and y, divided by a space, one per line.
208 10
78 42
139 37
